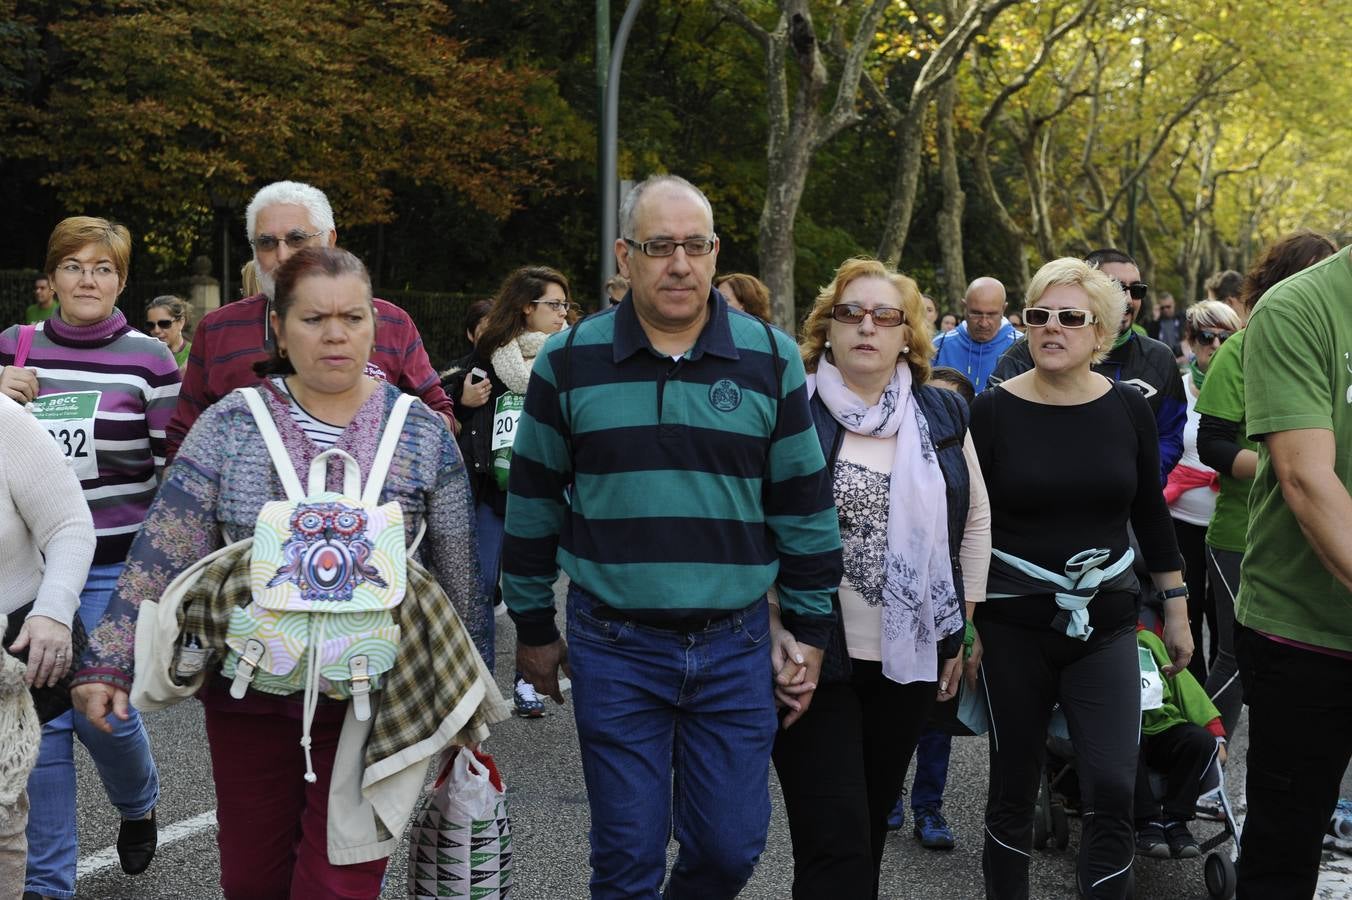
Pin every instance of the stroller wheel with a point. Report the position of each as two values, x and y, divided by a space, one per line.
1220 876
1060 826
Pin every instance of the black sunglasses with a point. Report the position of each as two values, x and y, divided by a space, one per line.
1206 337
162 324
1137 289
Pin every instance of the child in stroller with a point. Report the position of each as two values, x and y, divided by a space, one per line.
1181 737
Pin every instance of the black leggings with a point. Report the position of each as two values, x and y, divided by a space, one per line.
1201 605
840 767
1026 671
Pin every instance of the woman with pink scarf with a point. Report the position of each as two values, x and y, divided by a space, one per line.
915 526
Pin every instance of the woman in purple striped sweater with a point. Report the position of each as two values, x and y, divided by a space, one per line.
104 392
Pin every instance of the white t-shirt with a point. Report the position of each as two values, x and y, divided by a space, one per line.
1195 506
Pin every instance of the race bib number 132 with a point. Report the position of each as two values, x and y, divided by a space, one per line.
69 419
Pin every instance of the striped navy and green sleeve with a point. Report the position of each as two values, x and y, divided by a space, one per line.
670 489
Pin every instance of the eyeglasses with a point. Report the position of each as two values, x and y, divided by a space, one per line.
1039 316
1137 289
562 306
295 239
985 315
666 246
1206 337
75 270
162 324
882 316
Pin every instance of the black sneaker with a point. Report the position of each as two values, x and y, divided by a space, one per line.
136 841
1182 845
528 702
1150 841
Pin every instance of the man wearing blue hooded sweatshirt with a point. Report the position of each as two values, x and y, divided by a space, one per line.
975 346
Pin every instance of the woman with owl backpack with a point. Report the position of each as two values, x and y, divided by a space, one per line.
915 527
533 303
290 789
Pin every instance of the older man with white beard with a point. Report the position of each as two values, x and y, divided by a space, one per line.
282 218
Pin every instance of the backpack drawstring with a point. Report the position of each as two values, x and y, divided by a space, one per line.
311 703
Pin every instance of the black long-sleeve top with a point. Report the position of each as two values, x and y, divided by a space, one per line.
1068 478
1218 443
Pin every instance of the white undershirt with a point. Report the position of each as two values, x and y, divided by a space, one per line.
320 432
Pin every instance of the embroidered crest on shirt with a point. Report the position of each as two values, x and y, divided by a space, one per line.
725 395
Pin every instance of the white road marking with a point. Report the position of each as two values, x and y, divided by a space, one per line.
107 857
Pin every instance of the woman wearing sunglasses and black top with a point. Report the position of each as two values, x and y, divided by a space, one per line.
1070 458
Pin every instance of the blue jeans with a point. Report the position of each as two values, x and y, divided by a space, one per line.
123 760
488 528
675 730
931 769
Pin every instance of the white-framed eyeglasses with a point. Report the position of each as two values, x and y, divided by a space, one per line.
1039 316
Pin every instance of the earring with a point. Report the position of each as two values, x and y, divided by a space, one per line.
906 348
828 345
281 351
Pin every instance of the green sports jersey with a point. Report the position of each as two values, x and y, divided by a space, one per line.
1222 396
1297 375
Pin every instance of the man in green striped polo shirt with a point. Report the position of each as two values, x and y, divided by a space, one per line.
666 459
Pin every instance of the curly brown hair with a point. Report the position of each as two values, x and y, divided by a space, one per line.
812 340
1283 258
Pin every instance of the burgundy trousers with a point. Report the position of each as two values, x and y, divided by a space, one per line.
273 824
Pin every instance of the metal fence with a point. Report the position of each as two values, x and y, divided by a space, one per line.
438 315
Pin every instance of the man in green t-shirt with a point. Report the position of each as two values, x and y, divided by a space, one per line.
45 307
1295 594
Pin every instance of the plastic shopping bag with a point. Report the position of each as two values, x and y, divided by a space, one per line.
461 841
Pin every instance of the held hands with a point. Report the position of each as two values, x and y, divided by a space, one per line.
20 385
96 701
540 666
796 670
48 643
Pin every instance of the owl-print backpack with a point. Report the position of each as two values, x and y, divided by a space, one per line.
326 570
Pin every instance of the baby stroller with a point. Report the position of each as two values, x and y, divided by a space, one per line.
1059 793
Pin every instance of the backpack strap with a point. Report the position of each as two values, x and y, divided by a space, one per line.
319 473
26 333
268 429
389 442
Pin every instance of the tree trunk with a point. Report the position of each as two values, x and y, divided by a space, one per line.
777 254
904 183
954 200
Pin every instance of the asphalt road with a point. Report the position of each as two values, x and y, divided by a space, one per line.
539 761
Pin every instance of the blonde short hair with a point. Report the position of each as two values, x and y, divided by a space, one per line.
73 234
812 341
1210 314
1105 299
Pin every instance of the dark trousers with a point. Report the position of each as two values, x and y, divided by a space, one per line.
840 767
1300 741
1201 605
1182 753
1026 671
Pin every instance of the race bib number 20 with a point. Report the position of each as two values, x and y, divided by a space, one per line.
69 419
